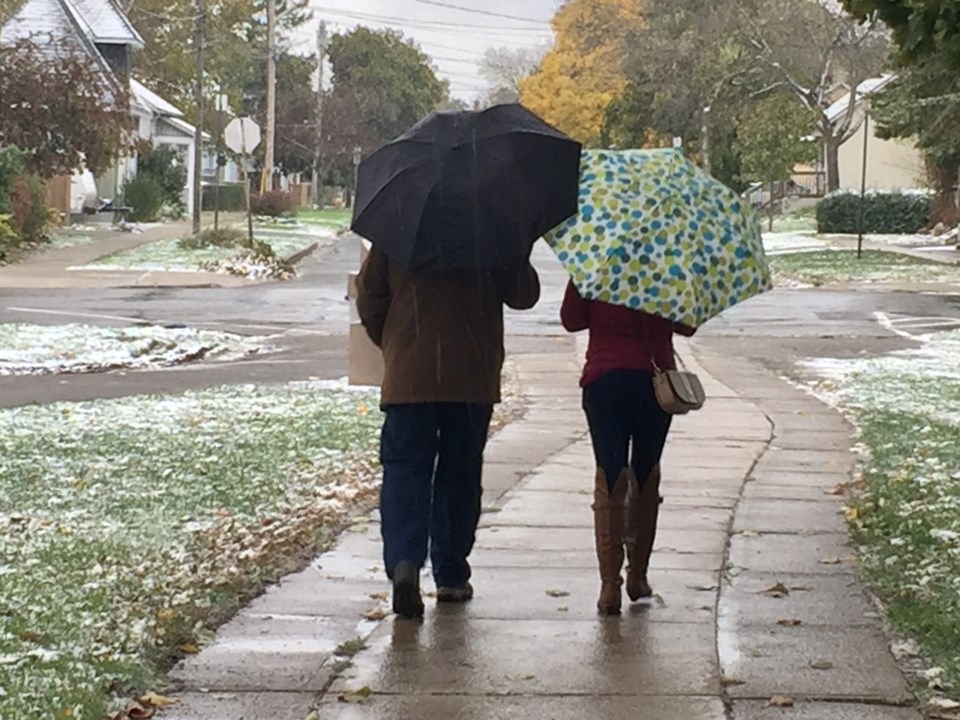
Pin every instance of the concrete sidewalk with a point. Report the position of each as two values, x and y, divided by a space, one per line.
51 268
748 538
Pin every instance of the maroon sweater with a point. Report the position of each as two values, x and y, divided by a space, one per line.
620 338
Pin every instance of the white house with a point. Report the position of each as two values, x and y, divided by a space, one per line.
101 30
891 164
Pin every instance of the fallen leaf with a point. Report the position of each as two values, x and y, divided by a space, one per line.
380 595
190 648
781 701
801 588
821 665
136 711
658 599
851 513
731 681
789 622
840 489
831 561
563 608
776 591
312 715
704 588
375 615
558 593
151 698
356 697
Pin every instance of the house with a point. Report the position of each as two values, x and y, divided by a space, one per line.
100 30
891 164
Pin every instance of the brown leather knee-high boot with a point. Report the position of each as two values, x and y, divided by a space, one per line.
643 509
608 523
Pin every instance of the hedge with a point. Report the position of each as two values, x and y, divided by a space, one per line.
893 213
232 197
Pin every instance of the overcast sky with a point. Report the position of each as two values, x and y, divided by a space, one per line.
455 39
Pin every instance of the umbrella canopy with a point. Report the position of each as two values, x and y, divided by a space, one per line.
467 189
657 234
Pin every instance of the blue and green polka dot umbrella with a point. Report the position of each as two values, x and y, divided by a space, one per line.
656 233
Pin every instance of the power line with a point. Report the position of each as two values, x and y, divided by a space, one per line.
438 27
477 11
419 21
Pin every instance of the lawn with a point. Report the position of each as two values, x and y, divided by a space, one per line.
128 527
801 221
336 218
43 349
169 255
906 517
827 267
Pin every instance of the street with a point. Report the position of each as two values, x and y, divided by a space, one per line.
305 321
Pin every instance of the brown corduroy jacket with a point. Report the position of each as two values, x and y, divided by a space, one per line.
441 332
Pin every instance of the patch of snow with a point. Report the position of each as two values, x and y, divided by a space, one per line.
54 349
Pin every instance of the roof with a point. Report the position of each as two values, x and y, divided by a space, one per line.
105 23
149 100
867 87
56 29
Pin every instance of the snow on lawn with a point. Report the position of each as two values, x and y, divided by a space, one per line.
829 266
906 513
126 525
167 255
47 349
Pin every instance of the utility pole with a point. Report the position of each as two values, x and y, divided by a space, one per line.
200 41
323 42
271 130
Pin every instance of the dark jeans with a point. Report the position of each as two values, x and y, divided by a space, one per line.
626 423
432 456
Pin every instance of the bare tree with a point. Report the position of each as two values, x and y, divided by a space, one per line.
504 68
818 53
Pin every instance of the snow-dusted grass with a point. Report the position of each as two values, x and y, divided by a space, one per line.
826 267
126 526
168 255
44 349
907 517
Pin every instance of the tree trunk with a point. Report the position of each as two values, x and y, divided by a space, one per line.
943 175
831 151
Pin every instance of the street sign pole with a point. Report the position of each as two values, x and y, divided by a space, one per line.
243 136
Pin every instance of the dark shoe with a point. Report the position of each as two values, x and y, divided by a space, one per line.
407 602
608 524
643 509
458 594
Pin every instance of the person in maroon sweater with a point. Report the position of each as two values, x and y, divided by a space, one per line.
628 429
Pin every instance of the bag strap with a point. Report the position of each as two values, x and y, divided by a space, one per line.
641 323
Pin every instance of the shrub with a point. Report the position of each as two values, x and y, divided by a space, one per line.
8 238
163 164
272 204
32 219
233 197
11 163
883 213
144 195
221 237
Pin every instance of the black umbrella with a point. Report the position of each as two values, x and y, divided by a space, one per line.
467 189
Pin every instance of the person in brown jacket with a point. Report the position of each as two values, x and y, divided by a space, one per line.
441 334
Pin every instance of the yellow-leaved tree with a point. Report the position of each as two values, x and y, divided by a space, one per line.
584 70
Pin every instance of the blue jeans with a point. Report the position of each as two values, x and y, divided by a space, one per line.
627 425
432 456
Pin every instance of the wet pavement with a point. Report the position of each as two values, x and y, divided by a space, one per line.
757 592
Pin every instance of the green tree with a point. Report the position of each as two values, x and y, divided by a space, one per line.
922 28
775 136
923 104
388 79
